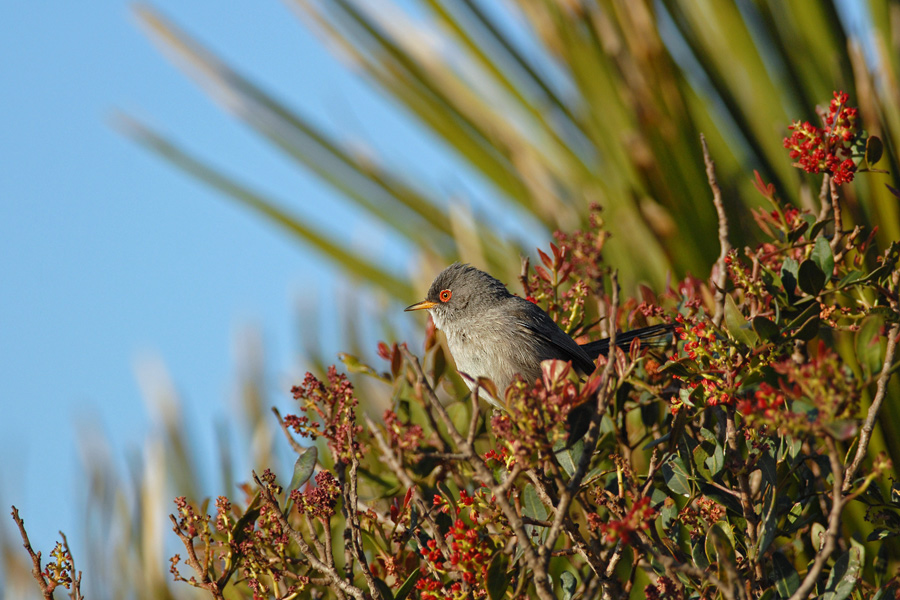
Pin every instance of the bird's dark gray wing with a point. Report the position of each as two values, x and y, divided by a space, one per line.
538 324
655 334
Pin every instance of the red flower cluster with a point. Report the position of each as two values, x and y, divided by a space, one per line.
765 401
403 436
586 248
639 518
470 552
535 413
319 501
665 588
829 148
335 406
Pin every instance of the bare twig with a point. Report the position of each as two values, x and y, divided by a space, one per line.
194 562
272 503
881 389
397 468
541 579
473 422
834 525
523 275
295 445
568 493
688 569
824 202
838 220
654 465
351 498
721 272
850 239
36 570
75 594
750 515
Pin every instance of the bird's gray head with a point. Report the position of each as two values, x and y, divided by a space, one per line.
460 291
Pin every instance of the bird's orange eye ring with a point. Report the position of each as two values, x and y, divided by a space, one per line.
445 295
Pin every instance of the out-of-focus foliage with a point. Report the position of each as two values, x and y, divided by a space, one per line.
561 104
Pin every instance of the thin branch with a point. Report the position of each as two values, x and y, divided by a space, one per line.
651 471
473 422
593 433
824 203
688 569
75 594
839 255
865 435
351 500
295 445
205 582
838 219
834 525
541 579
36 570
397 468
721 271
272 503
750 515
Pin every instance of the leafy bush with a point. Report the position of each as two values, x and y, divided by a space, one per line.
725 470
732 463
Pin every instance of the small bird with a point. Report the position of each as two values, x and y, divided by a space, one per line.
494 334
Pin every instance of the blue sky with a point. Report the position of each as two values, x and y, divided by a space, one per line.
109 256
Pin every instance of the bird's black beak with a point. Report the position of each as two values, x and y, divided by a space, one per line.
421 305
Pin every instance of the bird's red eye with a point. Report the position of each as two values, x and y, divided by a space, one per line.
445 295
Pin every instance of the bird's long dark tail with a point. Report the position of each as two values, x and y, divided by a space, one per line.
653 335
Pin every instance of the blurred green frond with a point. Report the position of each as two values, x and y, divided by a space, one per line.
561 104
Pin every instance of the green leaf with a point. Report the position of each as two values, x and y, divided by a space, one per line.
874 150
408 585
880 533
303 470
851 277
304 467
737 325
532 505
787 580
843 576
811 278
716 461
769 469
384 589
698 552
818 227
812 310
569 584
868 345
497 576
719 543
823 256
765 328
769 521
808 330
880 564
789 270
675 475
569 457
534 508
817 535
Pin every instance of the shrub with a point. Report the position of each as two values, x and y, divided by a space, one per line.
734 462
